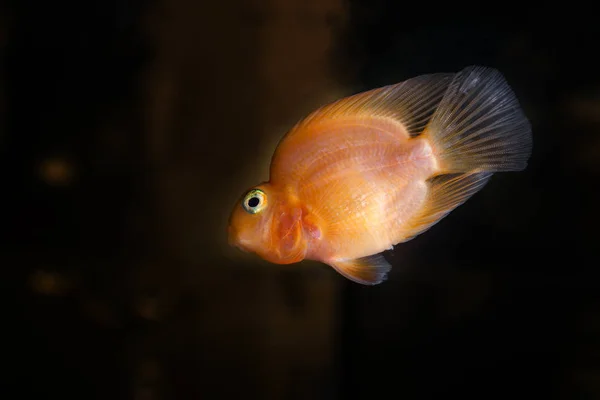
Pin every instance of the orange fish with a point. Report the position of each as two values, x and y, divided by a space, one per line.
377 168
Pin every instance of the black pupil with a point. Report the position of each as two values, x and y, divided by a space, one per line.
253 202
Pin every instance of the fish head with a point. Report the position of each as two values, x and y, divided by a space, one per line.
265 223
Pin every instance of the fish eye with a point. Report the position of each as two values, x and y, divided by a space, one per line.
255 201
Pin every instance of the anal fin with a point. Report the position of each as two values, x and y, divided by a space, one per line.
370 270
446 192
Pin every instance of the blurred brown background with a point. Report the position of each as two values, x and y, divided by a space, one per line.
128 129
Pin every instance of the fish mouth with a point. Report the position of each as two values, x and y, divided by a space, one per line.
235 241
240 245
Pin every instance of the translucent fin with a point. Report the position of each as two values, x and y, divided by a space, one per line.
410 103
446 193
479 125
370 270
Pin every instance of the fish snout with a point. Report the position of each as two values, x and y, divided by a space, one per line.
232 236
234 239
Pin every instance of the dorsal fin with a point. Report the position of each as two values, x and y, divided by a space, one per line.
446 192
411 103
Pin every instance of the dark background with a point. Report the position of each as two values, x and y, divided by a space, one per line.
130 128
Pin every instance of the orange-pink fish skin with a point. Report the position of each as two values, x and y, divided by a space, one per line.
378 168
276 234
339 189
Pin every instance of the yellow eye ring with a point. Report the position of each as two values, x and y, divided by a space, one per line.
255 201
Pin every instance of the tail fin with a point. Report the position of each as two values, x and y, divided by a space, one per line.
479 125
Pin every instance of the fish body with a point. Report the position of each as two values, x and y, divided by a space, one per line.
378 168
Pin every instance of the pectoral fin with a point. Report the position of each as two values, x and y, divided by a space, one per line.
370 270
